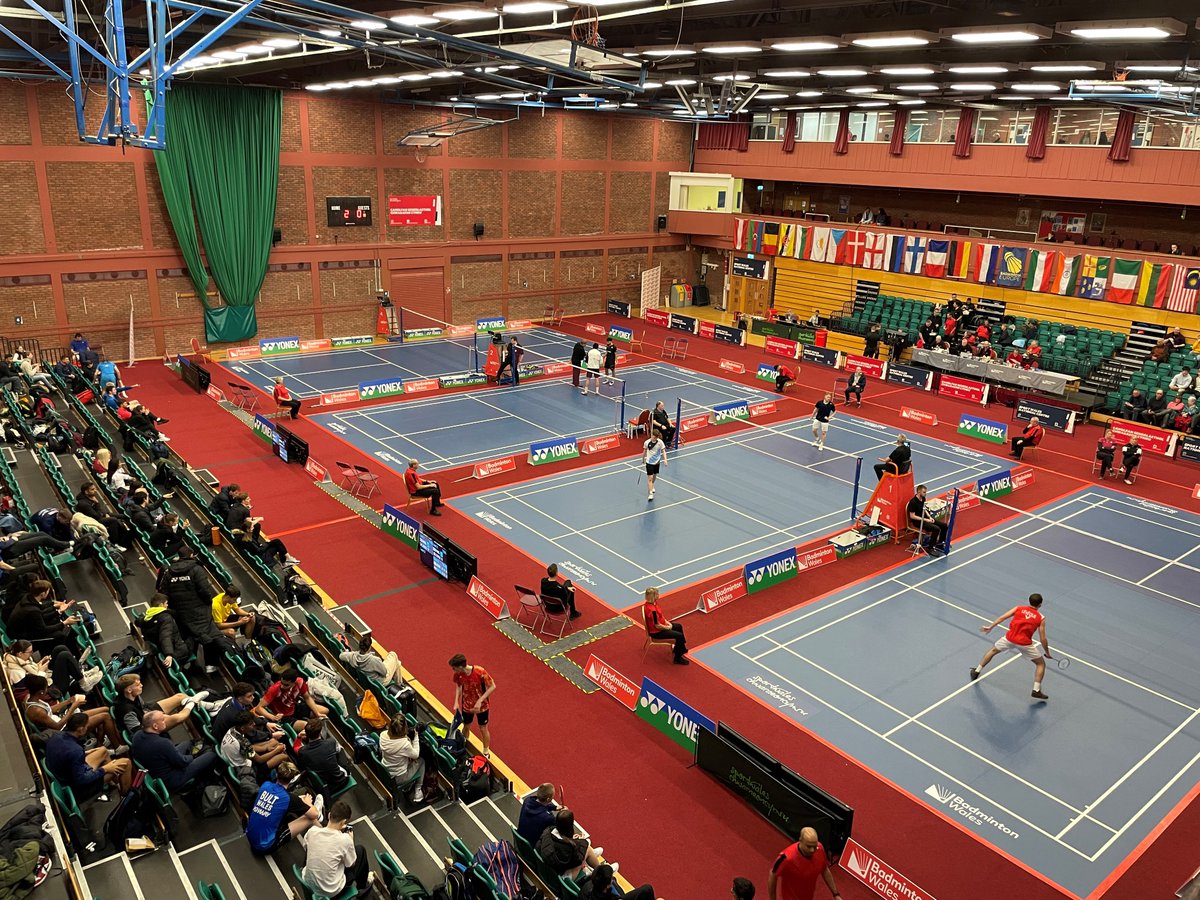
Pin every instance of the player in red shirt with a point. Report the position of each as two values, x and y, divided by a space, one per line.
423 487
796 870
283 397
1025 621
472 687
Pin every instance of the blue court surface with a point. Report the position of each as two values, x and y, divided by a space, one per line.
470 426
719 503
1068 786
312 374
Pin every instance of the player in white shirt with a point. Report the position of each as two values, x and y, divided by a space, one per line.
654 455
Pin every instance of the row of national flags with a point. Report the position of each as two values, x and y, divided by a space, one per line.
1130 281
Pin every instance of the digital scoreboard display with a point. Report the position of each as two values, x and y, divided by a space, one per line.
347 212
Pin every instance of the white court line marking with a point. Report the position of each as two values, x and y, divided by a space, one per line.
945 737
1141 762
429 454
1017 816
1165 521
932 706
456 425
133 879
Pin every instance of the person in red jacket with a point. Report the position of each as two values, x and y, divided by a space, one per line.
1030 437
783 375
660 628
796 870
420 487
283 397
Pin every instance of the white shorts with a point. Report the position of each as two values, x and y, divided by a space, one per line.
822 426
1032 651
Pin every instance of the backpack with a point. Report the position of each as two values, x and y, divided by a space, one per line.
371 712
454 886
91 438
366 747
297 590
214 801
473 779
134 816
126 661
159 450
407 887
259 655
499 859
271 633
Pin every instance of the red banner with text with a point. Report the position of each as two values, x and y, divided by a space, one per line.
1151 440
963 389
872 368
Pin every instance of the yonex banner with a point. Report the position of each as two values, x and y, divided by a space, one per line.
682 323
822 355
617 333
373 390
400 526
984 429
909 376
1152 440
1049 415
728 412
994 486
963 389
670 715
1189 448
264 428
465 379
275 346
494 323
770 570
618 308
777 346
879 876
554 450
872 368
358 340
612 682
766 372
417 334
658 317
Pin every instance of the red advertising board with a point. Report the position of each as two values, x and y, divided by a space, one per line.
460 330
407 210
967 497
515 324
421 385
1196 492
658 317
719 596
707 329
1152 440
487 598
316 470
778 346
762 409
214 393
872 368
879 876
918 415
599 444
559 368
814 559
1022 477
963 389
494 467
730 366
243 353
691 424
593 328
315 345
612 682
333 398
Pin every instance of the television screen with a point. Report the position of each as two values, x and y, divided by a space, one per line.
432 547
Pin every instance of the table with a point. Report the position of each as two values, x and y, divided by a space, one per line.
986 370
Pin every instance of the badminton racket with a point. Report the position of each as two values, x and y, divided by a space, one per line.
1061 661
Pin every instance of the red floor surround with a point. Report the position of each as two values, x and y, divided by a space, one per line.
617 771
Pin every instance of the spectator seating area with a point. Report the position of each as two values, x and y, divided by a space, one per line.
119 581
1154 375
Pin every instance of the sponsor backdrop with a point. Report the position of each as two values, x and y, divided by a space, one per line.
984 429
400 526
770 570
670 715
909 376
1048 414
553 450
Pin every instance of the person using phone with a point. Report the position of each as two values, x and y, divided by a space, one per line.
563 592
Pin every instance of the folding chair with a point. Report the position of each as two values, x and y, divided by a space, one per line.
563 616
640 425
417 498
681 349
668 347
348 475
528 601
311 893
365 478
635 345
198 351
249 399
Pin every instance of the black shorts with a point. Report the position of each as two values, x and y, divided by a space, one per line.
593 373
652 468
469 717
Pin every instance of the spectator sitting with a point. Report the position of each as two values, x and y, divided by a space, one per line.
79 344
278 815
280 702
1189 419
36 617
783 377
89 503
366 660
47 716
31 370
1161 352
167 537
244 699
320 755
1132 408
1174 411
172 763
1178 341
920 520
248 538
1015 358
422 487
131 710
564 851
85 773
659 628
143 420
223 500
560 594
985 351
19 662
1156 409
158 626
231 618
238 510
1030 331
1131 458
284 399
600 886
1030 437
10 375
88 360
54 522
537 813
1106 448
332 859
662 422
251 750
855 385
65 369
1182 380
400 752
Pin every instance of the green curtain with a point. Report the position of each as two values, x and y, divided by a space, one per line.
220 171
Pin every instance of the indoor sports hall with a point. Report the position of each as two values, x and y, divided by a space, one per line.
723 384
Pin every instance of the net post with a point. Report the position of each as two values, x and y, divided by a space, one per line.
621 420
678 419
400 322
950 524
854 499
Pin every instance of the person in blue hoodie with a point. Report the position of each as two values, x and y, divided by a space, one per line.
537 813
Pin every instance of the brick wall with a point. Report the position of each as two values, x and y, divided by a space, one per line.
560 195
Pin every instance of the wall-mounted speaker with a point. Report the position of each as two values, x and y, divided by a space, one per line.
477 230
662 222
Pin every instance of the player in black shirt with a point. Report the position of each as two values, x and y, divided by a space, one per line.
822 413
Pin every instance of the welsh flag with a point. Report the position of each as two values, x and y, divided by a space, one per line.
1154 283
936 253
1123 281
1041 270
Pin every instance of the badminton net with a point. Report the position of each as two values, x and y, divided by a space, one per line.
606 395
457 342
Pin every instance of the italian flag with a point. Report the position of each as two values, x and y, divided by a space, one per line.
1041 270
1154 284
1123 280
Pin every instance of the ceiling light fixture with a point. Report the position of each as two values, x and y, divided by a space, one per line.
907 70
999 34
917 88
892 40
1125 29
1013 97
740 48
254 49
808 93
416 76
463 13
317 87
804 44
512 95
972 86
785 73
862 89
680 82
368 24
629 105
732 76
667 52
387 79
978 70
1040 87
1155 67
871 104
842 73
1066 68
412 20
651 85
533 6
330 33
910 102
446 73
281 43
229 54
772 97
487 97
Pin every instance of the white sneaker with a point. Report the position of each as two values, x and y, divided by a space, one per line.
599 851
816 444
195 698
213 706
292 561
616 867
418 795
210 670
319 806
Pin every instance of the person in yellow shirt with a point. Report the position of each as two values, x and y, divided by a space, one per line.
230 617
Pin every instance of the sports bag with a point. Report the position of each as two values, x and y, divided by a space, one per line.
499 859
473 779
407 887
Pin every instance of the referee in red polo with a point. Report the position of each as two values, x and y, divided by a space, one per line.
794 875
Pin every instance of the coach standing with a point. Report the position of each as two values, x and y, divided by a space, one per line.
794 875
578 355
